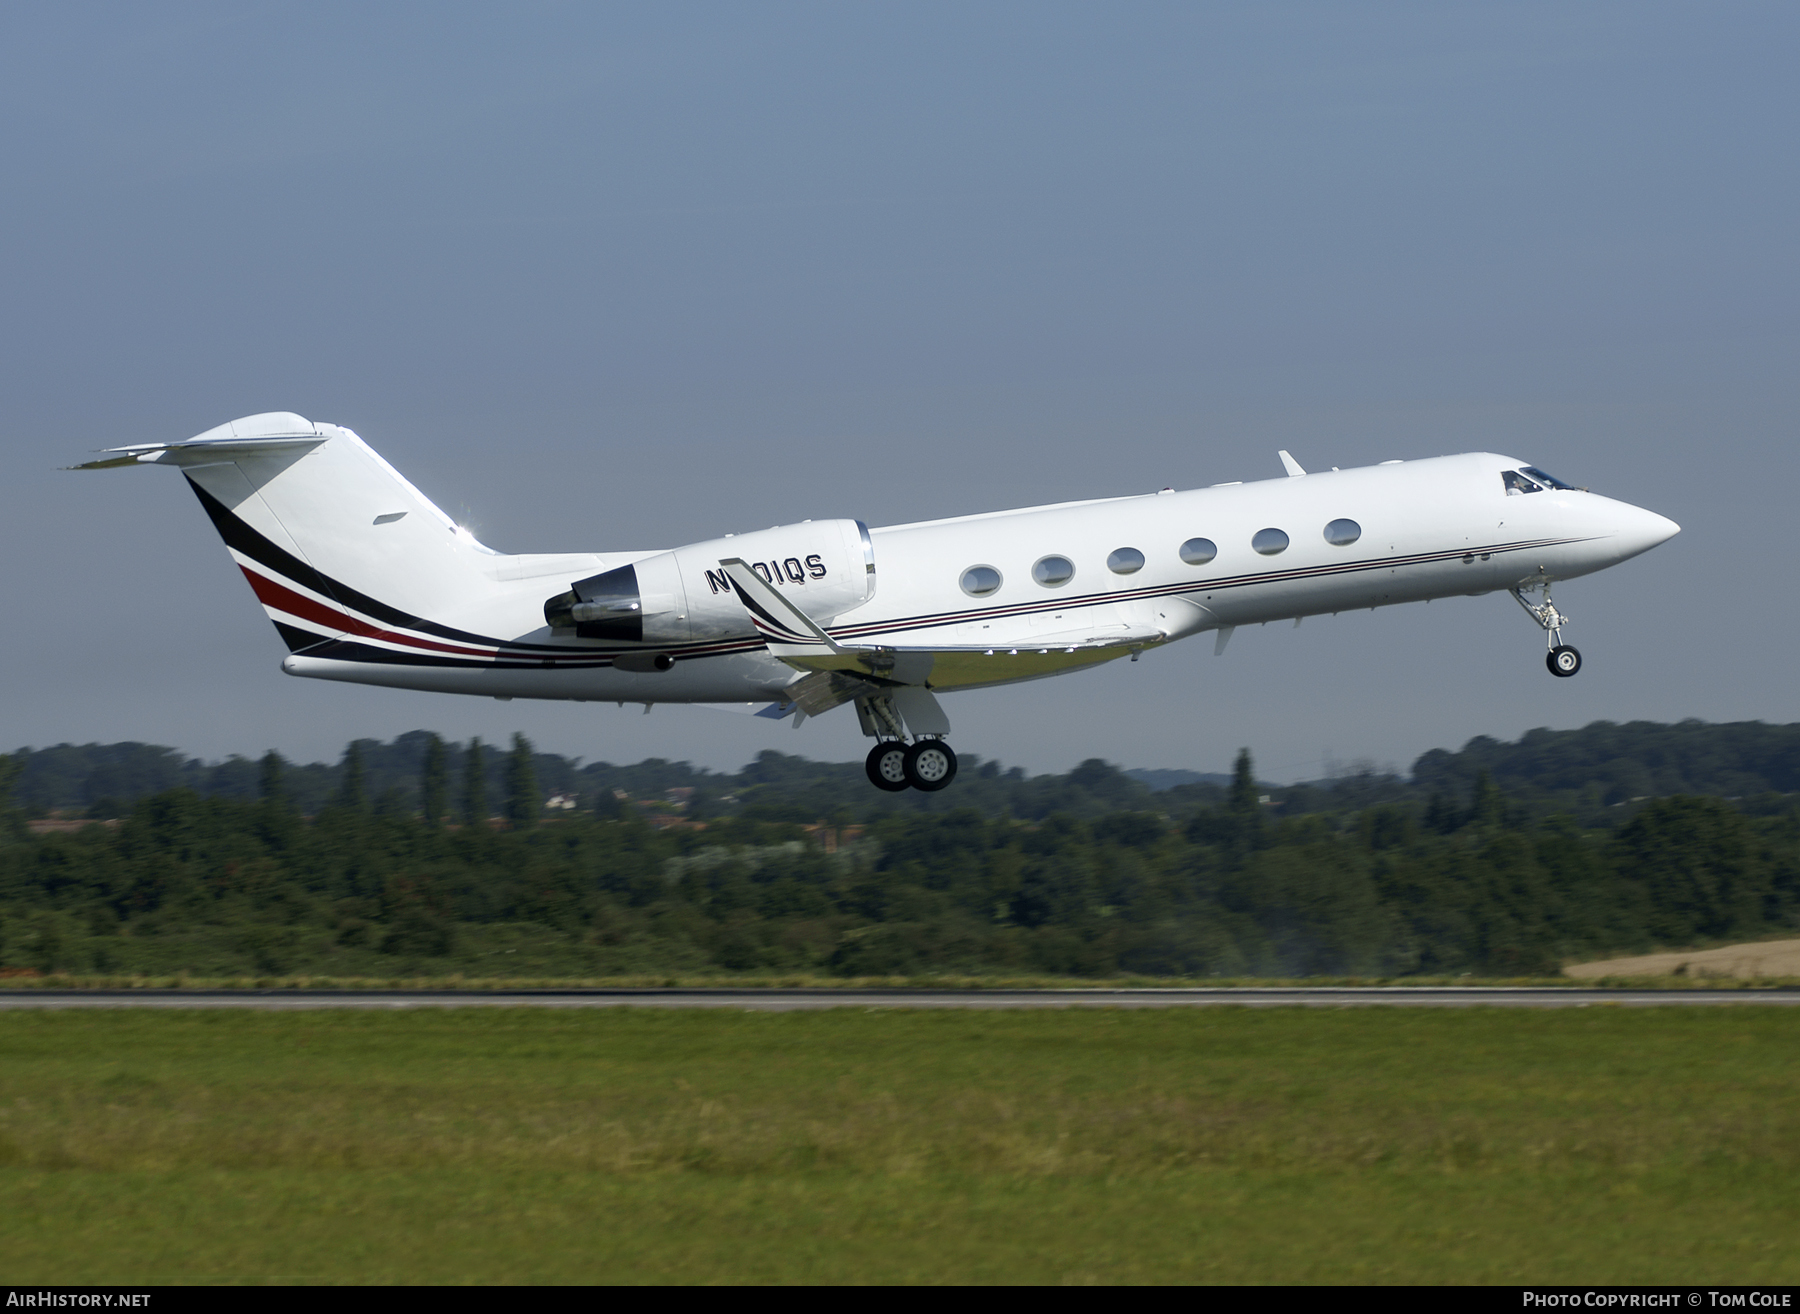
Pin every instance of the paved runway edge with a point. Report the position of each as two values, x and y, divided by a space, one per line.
791 1000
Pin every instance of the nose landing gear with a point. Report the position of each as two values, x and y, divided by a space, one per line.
1562 660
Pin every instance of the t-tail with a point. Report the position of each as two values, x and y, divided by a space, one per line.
336 543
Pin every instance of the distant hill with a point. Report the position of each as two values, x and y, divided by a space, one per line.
1161 778
1607 763
1586 772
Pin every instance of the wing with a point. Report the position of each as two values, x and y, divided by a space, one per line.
802 643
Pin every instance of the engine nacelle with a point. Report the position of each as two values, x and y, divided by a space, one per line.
826 566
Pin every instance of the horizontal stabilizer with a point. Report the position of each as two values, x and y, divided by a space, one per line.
198 452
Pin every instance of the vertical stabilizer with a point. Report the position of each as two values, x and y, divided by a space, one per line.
334 540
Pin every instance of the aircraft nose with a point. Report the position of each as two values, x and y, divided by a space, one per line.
1636 530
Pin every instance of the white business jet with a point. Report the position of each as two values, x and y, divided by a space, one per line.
368 581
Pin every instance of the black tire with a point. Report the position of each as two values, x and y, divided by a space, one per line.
1563 661
930 765
886 765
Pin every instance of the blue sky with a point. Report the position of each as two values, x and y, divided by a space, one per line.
627 276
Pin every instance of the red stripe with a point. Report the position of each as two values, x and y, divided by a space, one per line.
271 594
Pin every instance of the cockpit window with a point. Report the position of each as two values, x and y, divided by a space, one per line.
1517 483
1549 481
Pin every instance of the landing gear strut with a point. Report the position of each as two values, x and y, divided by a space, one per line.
1562 660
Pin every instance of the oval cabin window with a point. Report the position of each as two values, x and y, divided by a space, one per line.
1053 572
1125 561
979 581
1199 551
1269 542
1342 533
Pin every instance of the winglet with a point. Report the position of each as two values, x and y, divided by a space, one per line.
789 632
1291 465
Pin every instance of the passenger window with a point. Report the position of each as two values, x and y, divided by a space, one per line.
1125 561
1053 572
1342 533
1269 541
1199 551
979 581
1517 484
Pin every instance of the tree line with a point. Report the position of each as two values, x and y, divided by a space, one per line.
1594 774
1088 874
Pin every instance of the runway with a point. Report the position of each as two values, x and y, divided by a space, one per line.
787 1001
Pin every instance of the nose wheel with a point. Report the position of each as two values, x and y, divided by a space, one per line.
1563 660
927 764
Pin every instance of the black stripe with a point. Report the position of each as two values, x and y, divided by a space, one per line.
241 537
772 626
297 639
349 650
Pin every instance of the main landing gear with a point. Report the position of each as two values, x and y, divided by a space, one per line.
910 752
927 764
1562 660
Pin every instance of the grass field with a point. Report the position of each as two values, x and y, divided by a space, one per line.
1206 1145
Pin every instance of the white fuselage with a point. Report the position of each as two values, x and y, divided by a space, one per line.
1426 529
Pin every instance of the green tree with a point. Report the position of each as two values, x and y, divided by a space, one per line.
276 821
1242 805
434 788
474 784
1691 859
12 765
1487 805
271 787
522 802
353 792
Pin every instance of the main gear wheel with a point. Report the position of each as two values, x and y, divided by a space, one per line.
930 765
886 765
